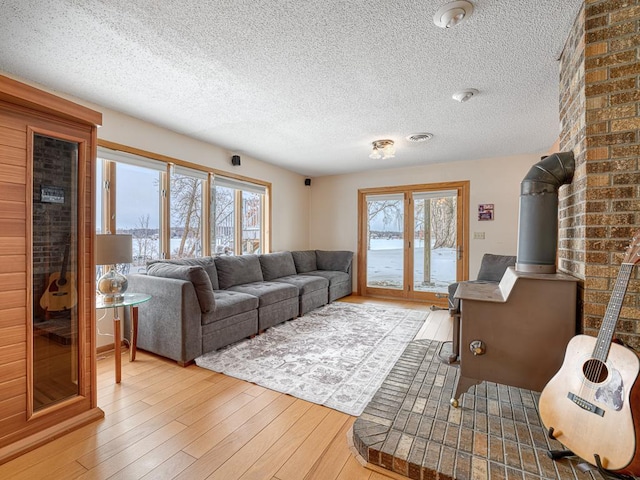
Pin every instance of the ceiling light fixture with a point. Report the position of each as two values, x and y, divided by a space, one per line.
382 149
452 14
464 95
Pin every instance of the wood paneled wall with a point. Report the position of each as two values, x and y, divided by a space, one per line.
24 109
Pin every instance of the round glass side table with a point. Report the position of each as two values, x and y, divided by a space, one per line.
131 300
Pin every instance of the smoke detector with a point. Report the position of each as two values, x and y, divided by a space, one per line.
452 14
464 95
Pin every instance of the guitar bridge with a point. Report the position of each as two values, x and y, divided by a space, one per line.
585 405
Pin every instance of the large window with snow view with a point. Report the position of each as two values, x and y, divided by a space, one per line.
176 210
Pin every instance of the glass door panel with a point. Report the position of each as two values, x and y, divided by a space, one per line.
385 241
55 270
434 240
418 254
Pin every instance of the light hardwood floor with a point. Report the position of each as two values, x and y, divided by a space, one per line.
164 421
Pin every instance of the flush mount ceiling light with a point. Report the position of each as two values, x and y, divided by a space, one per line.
464 95
452 14
382 149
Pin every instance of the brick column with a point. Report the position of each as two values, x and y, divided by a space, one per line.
599 106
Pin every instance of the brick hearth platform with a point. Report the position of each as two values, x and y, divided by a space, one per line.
410 428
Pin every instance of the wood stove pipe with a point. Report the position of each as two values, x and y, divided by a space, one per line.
538 222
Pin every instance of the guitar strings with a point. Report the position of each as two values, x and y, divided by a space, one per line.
597 362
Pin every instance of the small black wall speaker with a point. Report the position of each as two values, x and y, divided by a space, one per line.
235 160
307 182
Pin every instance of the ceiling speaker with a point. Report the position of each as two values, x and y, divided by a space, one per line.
235 160
307 181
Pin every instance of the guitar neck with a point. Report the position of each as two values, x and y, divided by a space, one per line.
65 260
610 319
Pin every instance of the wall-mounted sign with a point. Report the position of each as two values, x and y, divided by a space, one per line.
485 211
51 194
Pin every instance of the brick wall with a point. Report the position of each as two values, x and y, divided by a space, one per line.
600 211
55 164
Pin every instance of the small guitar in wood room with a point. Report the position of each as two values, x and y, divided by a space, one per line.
61 291
592 405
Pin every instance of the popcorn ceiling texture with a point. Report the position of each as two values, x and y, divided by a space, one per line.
600 210
306 84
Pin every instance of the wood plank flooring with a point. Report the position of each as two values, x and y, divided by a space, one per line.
164 421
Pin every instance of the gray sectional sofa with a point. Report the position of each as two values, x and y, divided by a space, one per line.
202 304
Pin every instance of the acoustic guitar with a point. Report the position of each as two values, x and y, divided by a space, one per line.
593 402
61 291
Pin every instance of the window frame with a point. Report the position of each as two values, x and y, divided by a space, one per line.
166 164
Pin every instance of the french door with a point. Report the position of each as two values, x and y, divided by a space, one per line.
413 240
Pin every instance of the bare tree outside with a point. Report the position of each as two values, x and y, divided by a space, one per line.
391 212
146 242
186 215
222 224
433 238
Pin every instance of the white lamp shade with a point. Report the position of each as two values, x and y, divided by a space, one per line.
113 249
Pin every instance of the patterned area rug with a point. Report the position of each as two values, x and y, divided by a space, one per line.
336 356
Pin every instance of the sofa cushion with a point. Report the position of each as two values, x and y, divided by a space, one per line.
492 267
268 293
305 261
305 283
334 260
207 263
333 276
238 270
229 303
276 265
191 273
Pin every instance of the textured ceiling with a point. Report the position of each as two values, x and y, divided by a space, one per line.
306 84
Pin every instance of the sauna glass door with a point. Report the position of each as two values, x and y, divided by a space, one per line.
54 236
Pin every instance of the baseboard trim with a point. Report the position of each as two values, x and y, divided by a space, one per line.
38 439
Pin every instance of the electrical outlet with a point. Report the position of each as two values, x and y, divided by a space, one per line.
478 235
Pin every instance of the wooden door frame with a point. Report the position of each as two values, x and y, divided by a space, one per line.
462 218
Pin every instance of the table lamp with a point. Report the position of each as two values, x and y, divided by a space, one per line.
112 249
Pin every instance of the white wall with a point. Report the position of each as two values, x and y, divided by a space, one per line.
333 210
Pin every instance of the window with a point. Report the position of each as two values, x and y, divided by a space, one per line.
186 212
204 213
136 185
238 217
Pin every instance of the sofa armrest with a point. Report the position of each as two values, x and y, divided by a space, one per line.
170 323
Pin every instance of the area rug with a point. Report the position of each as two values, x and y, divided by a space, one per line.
336 356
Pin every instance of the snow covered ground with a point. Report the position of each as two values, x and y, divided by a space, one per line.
385 266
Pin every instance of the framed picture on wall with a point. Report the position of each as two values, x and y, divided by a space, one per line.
485 211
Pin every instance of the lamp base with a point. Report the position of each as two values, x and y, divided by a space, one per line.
112 286
113 298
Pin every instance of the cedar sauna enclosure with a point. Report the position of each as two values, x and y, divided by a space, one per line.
47 273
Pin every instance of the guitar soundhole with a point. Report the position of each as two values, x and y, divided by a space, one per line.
595 370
